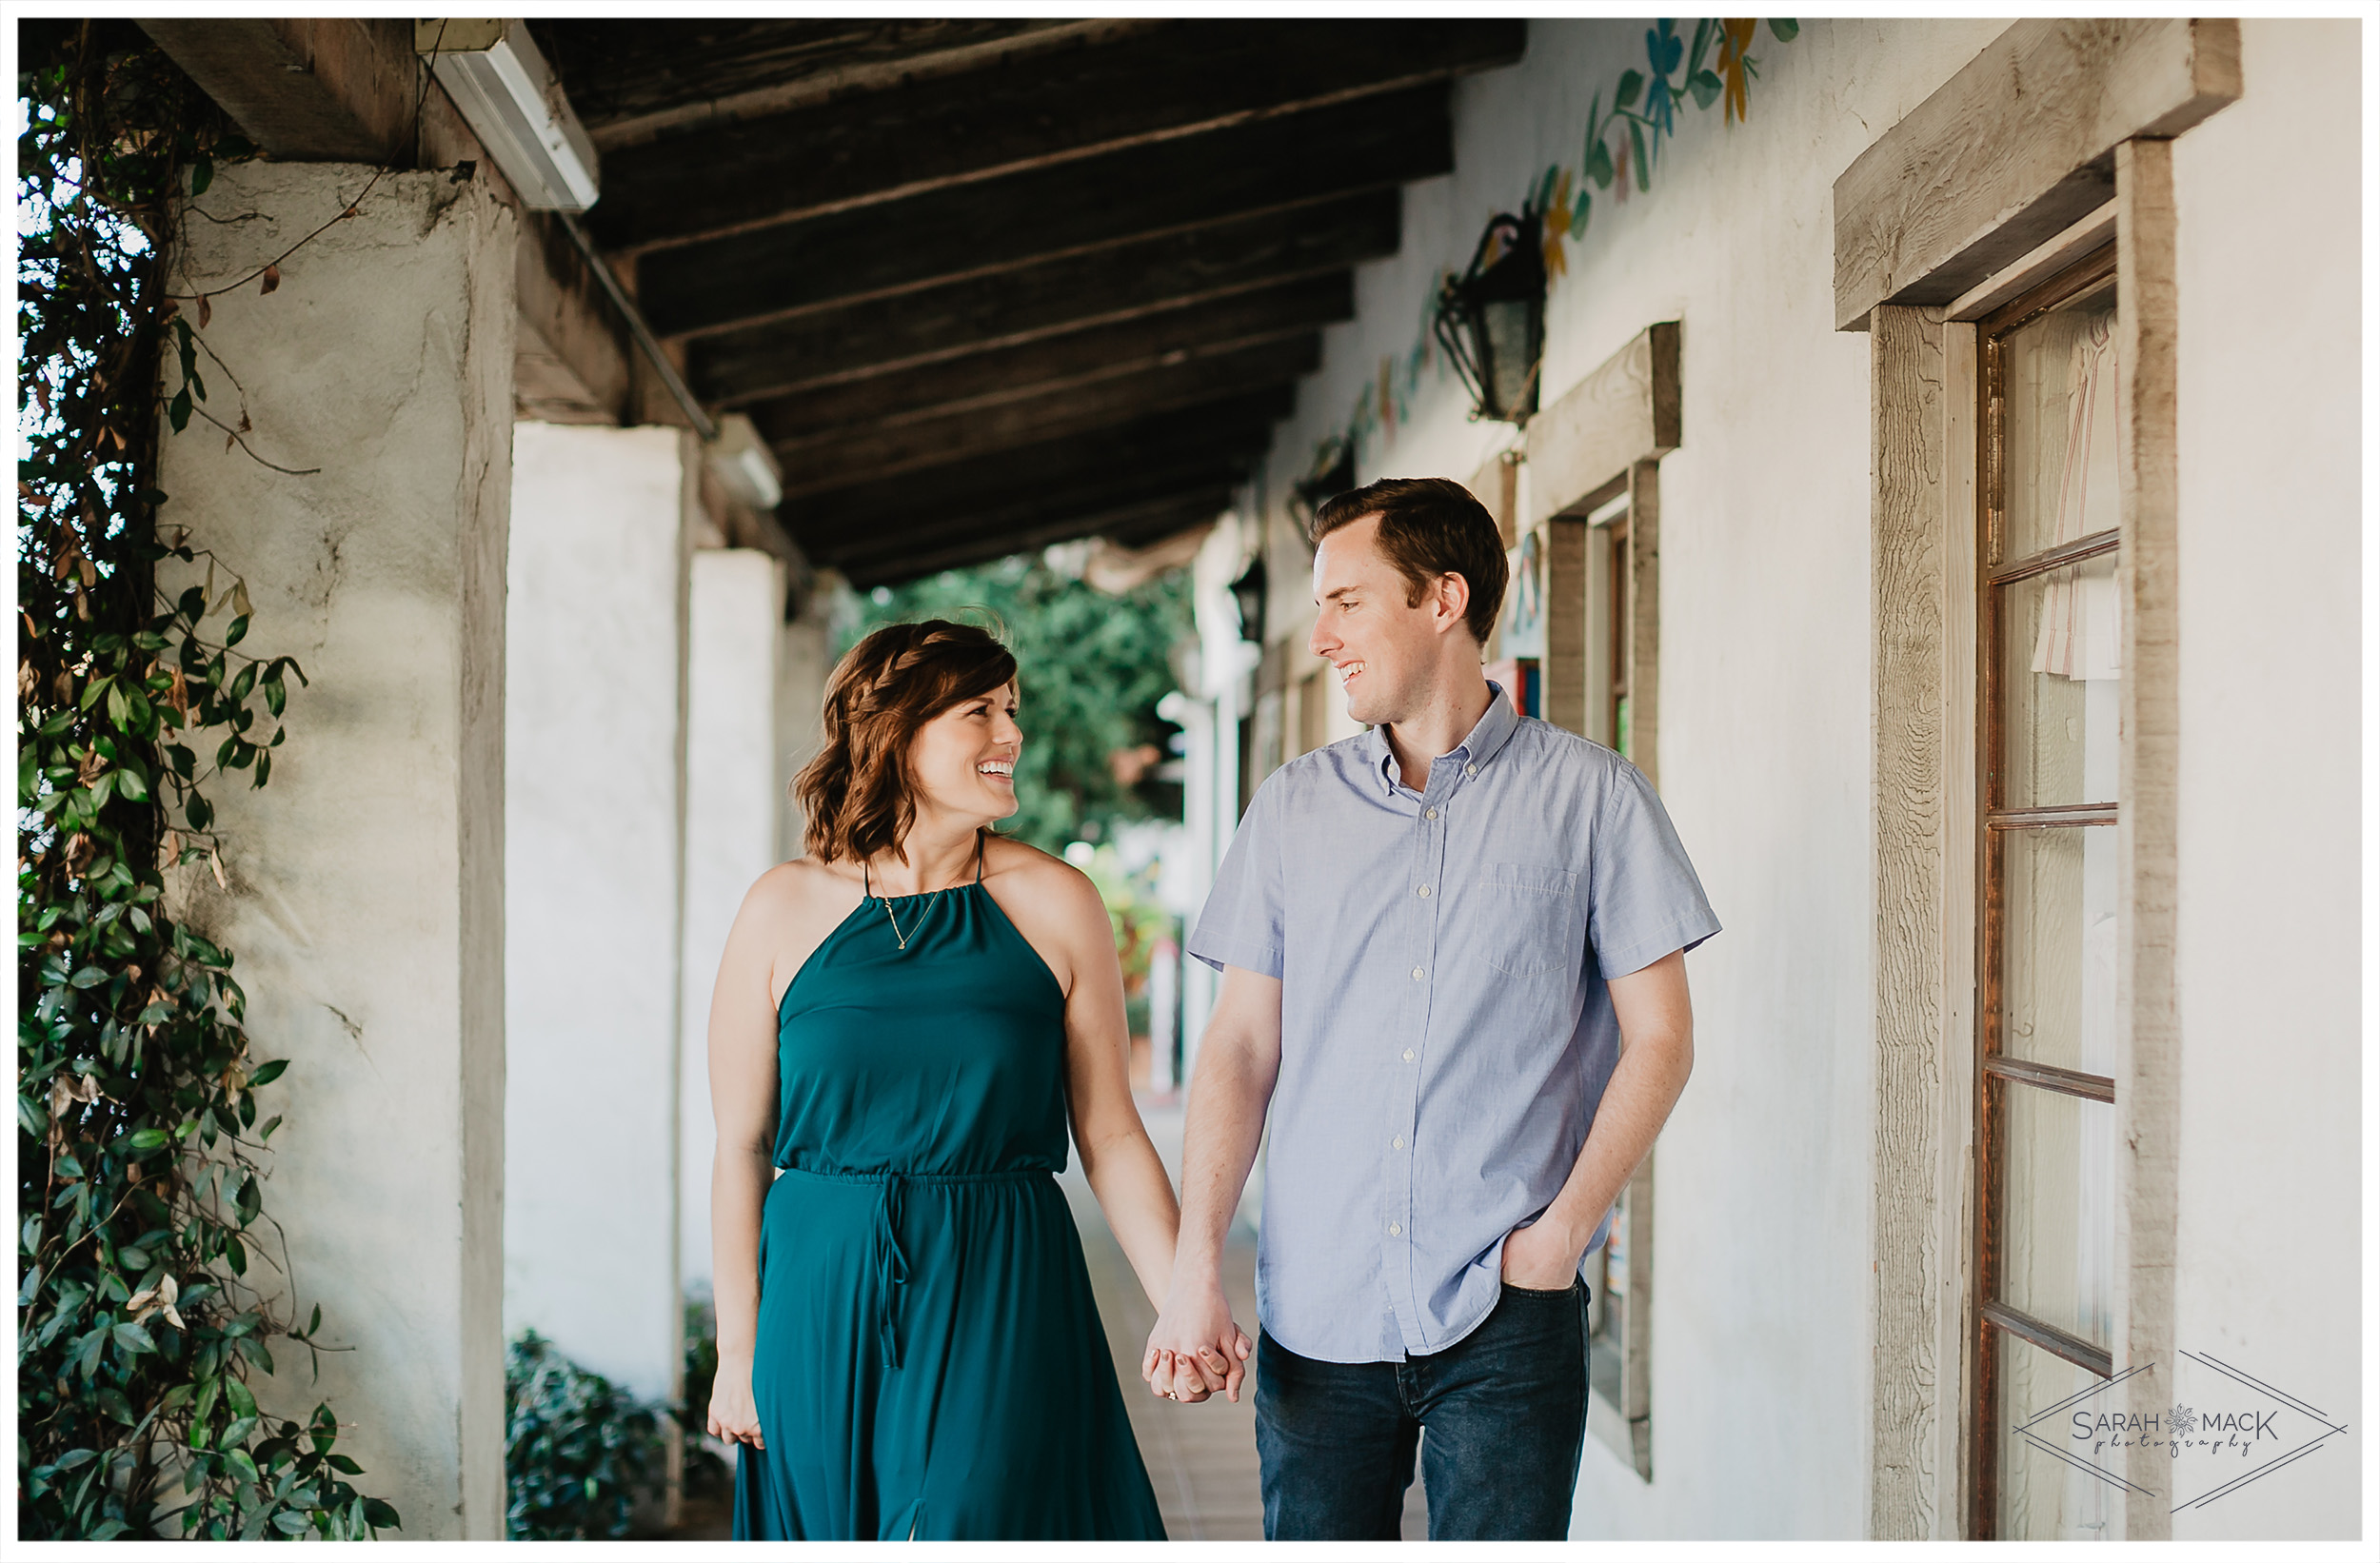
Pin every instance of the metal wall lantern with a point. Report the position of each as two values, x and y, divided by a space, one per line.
1333 474
1491 320
1247 594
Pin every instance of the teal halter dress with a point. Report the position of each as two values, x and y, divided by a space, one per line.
930 1360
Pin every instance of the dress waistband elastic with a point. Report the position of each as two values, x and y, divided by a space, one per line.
1015 1175
886 1255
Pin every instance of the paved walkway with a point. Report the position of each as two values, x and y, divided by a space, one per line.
1201 1459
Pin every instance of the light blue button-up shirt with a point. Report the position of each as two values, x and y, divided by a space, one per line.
1446 1033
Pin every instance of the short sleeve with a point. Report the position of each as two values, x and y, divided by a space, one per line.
1643 897
1245 915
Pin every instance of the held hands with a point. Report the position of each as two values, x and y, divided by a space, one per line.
1540 1257
1195 1349
733 1416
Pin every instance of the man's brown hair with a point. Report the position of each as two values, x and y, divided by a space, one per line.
858 796
1429 528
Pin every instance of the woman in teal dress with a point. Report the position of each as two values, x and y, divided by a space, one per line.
905 1020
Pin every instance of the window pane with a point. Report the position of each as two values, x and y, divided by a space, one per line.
2057 383
2058 1212
2061 649
2057 942
2044 1498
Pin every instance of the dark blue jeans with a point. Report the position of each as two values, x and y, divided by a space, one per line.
1506 1408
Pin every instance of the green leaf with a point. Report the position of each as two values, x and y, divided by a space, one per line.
239 628
1786 28
1599 164
145 1140
131 786
1631 83
268 1072
178 411
1636 141
380 1516
289 1522
1706 87
342 1463
236 1396
202 175
276 696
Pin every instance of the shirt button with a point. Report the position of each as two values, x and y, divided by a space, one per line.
1418 974
1396 1231
1471 770
1396 1144
1409 1055
1423 892
1429 813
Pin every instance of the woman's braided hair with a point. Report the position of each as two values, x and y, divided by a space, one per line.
858 795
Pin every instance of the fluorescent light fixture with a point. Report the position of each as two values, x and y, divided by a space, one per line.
508 96
740 460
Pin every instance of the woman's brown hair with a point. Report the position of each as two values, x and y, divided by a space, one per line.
858 794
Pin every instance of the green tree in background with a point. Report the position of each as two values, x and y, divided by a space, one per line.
1091 668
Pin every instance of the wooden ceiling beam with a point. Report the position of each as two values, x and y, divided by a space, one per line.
1010 309
1028 474
1054 363
1059 107
1091 494
1004 224
831 457
635 80
1154 518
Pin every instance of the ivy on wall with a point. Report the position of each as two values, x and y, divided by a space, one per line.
139 1149
1620 149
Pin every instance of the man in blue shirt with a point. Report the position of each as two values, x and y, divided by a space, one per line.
1453 968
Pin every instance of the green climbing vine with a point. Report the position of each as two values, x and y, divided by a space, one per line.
138 1154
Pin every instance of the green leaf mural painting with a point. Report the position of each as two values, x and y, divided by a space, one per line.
1619 152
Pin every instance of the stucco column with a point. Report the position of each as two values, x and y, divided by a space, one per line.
804 657
365 906
733 782
594 833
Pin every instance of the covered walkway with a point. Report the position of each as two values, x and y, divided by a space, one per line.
1201 1459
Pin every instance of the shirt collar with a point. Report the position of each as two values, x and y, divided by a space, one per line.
1478 746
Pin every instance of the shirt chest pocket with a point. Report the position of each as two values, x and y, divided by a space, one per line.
1524 919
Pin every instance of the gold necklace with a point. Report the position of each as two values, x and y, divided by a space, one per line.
899 937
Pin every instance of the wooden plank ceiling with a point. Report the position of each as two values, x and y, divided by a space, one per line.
985 284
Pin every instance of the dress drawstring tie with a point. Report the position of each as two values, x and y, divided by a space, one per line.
887 1260
892 1271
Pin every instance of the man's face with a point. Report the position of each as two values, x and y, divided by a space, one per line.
1385 648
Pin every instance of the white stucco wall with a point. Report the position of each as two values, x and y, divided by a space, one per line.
367 899
733 816
2268 194
594 728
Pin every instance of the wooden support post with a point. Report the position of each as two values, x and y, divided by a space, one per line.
2147 1088
1566 694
